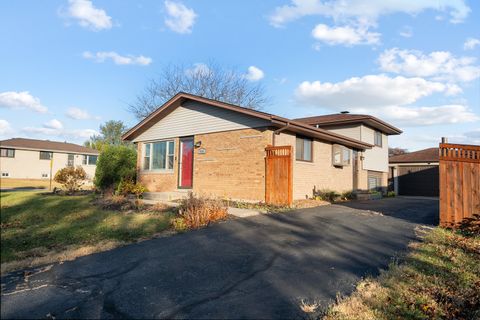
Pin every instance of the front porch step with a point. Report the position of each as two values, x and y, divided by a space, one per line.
166 196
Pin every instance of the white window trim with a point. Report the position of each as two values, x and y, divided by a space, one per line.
168 153
341 149
87 156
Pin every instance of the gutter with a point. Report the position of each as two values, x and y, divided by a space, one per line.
278 131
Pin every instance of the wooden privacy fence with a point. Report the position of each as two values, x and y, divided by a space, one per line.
278 175
459 183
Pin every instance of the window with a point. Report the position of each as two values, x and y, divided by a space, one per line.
340 155
71 160
7 153
90 160
378 138
46 155
303 149
146 157
159 155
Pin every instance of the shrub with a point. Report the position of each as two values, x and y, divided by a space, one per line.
139 189
200 211
127 186
71 178
114 164
391 194
347 195
326 195
178 224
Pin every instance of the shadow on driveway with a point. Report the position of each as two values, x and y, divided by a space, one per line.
259 267
422 210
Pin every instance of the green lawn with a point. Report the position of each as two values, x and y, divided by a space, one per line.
439 279
33 222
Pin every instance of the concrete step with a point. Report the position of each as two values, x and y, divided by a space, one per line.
166 196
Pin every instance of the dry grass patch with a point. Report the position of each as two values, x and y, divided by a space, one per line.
37 228
439 279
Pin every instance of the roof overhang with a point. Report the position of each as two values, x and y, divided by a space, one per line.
367 120
276 121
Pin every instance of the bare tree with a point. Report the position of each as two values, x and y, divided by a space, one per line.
206 80
396 151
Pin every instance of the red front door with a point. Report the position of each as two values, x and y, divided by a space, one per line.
186 163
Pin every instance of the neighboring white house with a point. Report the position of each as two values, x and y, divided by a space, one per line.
39 159
367 129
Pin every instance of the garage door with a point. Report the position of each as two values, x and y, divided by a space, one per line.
418 181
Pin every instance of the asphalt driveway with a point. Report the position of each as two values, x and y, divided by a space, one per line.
259 267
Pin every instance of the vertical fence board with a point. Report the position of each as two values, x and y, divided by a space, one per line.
278 175
459 183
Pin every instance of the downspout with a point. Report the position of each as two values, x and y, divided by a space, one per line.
277 132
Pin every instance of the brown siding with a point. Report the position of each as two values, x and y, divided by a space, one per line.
233 165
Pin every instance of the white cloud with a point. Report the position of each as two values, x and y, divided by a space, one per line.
5 127
365 10
102 56
254 74
79 114
346 35
21 100
88 16
439 65
180 18
53 124
406 32
60 133
471 43
370 91
421 116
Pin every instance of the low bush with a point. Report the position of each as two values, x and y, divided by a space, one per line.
347 195
391 194
71 178
326 195
127 186
179 224
198 212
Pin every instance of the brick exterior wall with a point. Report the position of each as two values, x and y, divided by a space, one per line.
233 165
320 173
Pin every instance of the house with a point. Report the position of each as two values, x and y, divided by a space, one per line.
223 150
415 173
373 170
41 159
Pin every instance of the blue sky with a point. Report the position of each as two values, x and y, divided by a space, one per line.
68 66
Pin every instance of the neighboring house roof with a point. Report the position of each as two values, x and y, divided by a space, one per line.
347 118
46 145
426 155
276 121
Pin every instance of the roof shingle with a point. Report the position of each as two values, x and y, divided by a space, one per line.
426 155
46 145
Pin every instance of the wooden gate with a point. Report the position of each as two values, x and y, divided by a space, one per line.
459 183
278 175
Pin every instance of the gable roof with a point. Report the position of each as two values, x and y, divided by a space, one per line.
347 118
276 121
46 145
425 155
